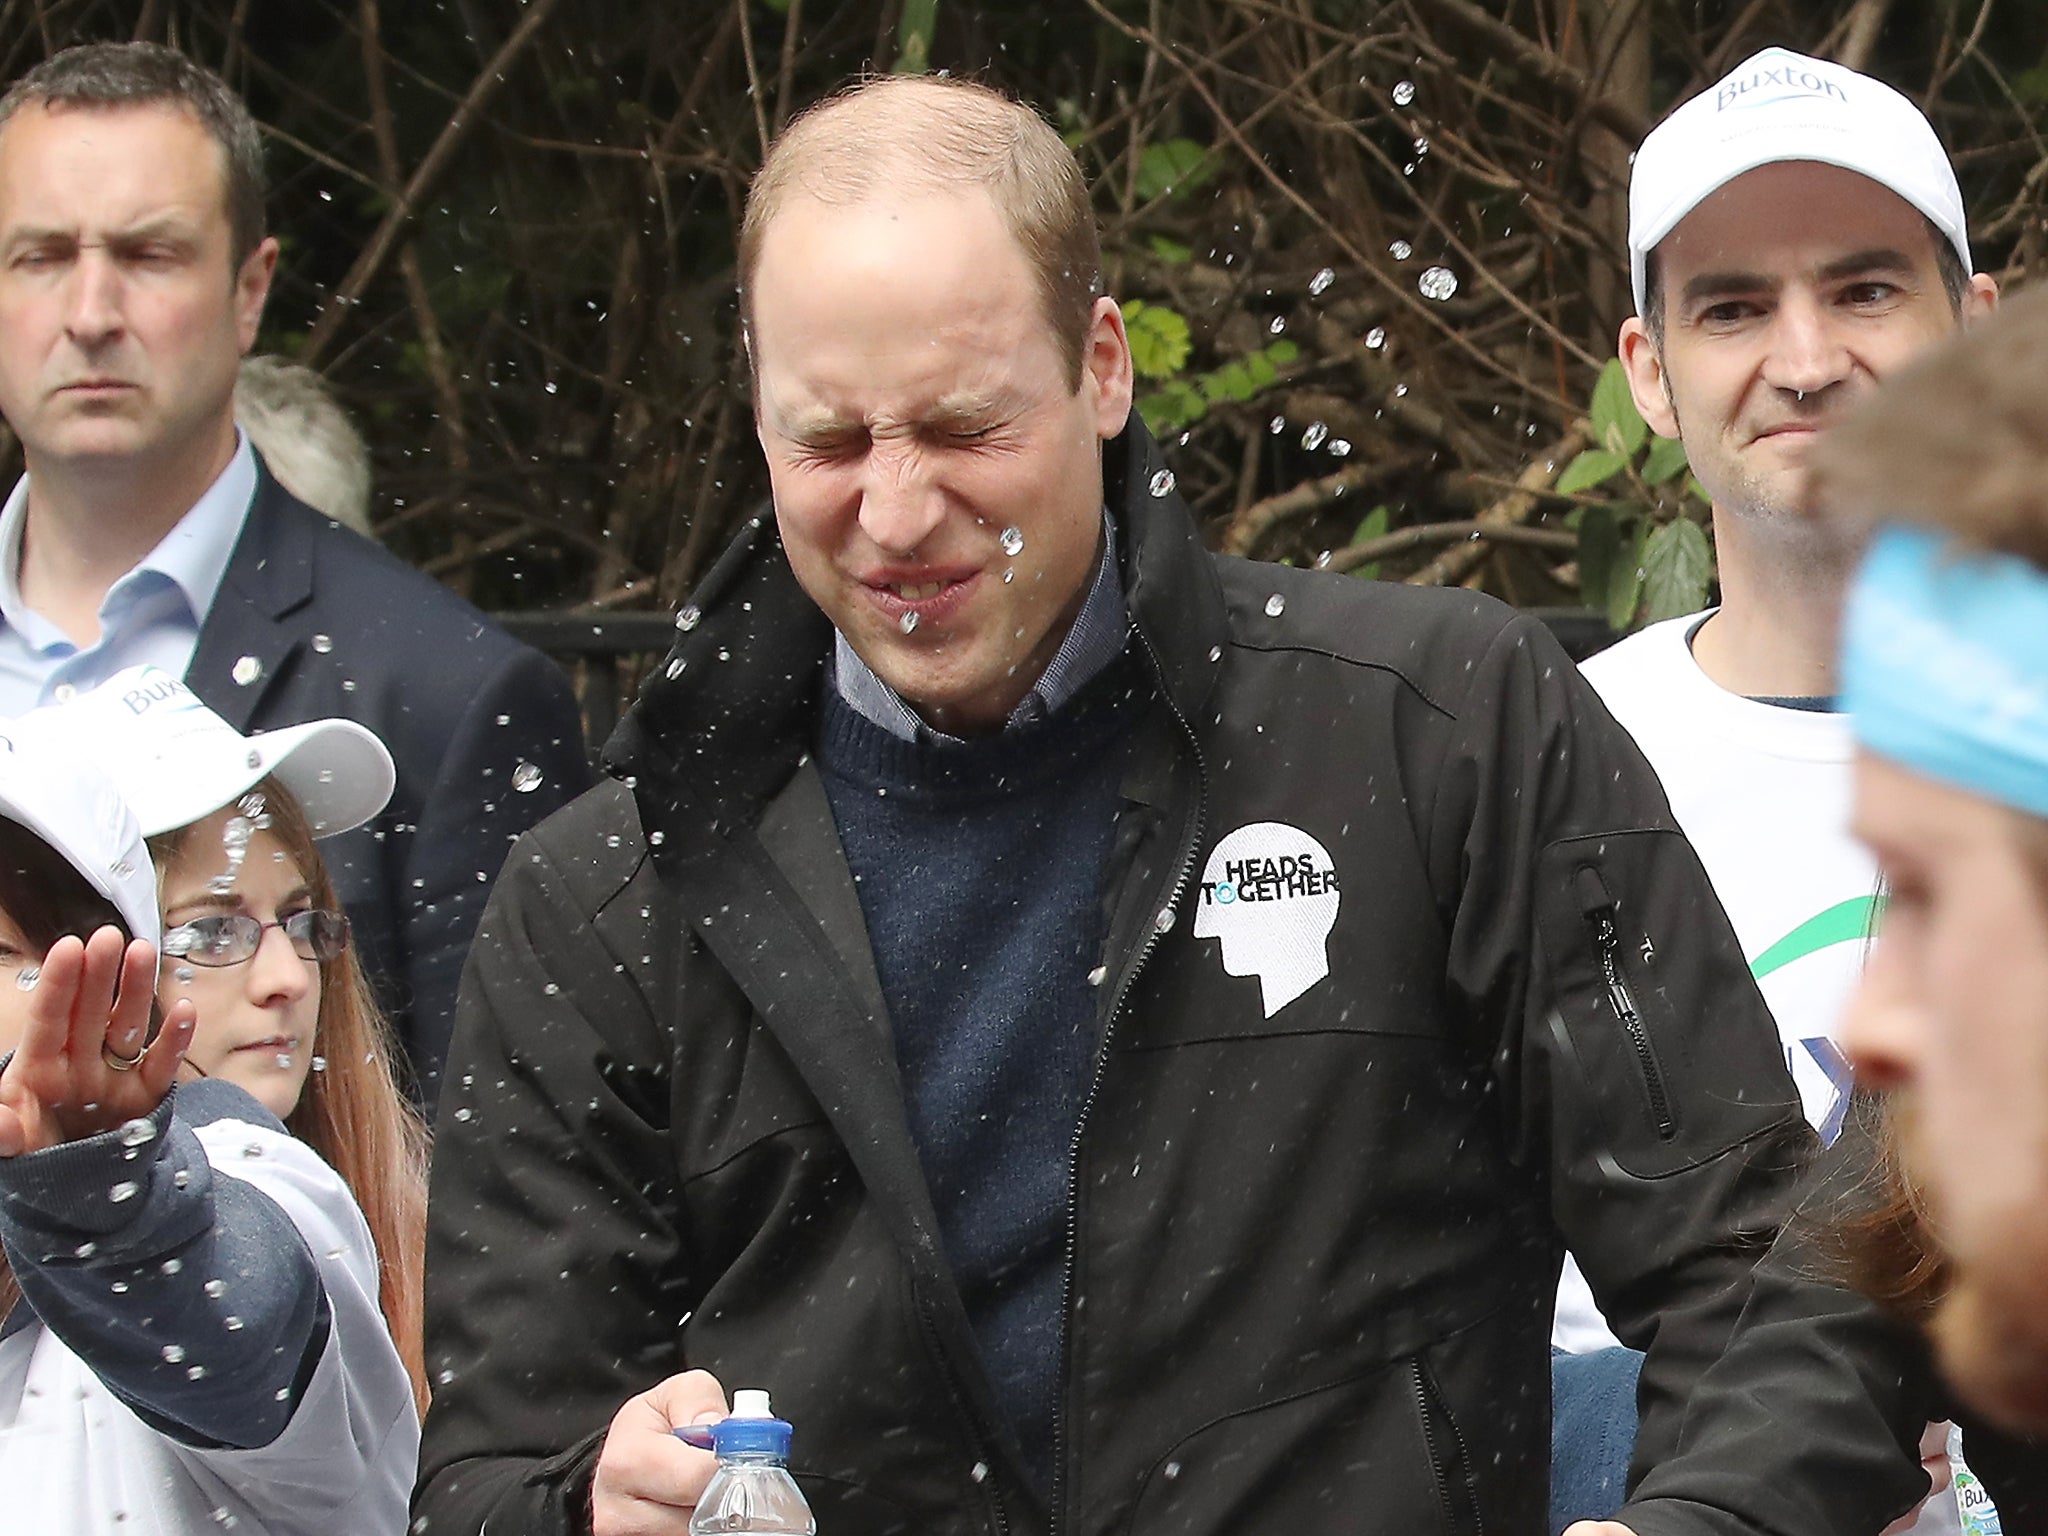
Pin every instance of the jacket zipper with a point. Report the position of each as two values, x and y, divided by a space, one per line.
1598 909
1189 848
1425 1410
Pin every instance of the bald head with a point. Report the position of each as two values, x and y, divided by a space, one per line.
916 135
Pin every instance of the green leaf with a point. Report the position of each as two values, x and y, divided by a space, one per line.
1173 409
2031 85
1171 167
1625 582
1594 467
914 36
1667 458
1282 352
1697 492
1160 342
1599 551
1678 566
1261 369
1235 382
1172 252
1617 425
1373 525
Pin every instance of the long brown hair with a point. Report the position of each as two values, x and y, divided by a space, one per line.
47 899
351 1110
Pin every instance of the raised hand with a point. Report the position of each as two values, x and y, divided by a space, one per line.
85 1063
647 1480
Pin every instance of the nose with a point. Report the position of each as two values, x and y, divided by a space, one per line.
901 501
1883 1027
277 975
94 311
1807 351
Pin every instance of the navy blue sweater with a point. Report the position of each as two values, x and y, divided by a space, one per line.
979 866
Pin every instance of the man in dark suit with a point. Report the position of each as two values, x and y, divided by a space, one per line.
133 273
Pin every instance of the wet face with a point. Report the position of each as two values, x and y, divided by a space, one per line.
1788 293
123 313
936 469
1953 1009
257 1020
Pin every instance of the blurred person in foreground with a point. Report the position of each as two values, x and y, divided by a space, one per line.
1114 1039
134 268
1945 675
1796 234
305 438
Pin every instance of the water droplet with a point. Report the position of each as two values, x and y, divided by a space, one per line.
1421 147
979 1471
1277 425
1404 92
689 618
525 777
319 1063
1400 250
1376 338
1400 390
675 668
1340 447
1008 577
552 989
123 1192
324 644
909 620
194 1373
1275 606
247 669
1012 540
185 973
174 1353
28 976
656 839
465 1114
85 1250
1097 976
1163 923
232 1323
216 1288
136 1133
1320 283
1438 283
1215 653
1312 439
1162 483
1170 1471
122 869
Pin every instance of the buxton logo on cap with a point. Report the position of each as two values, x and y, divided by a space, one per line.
157 690
1791 84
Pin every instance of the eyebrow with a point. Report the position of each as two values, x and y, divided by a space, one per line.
208 903
170 225
1728 284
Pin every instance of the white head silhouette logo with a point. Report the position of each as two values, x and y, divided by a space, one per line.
1269 892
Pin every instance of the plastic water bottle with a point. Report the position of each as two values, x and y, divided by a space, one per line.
752 1491
1979 1514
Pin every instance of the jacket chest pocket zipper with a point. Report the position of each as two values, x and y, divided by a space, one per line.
1597 907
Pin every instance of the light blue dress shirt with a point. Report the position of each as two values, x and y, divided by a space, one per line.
1091 644
151 616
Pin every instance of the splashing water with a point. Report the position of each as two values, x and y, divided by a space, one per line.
1275 606
234 843
1012 540
324 644
1376 338
525 777
1312 439
1400 250
28 976
1320 283
1404 93
1438 283
1162 483
908 622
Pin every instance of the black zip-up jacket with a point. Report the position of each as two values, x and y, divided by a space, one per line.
1312 1246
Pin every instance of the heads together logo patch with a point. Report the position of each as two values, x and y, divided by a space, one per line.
1269 892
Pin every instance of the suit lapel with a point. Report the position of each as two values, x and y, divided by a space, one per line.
246 644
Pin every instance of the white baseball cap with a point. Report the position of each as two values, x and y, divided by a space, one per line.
70 804
178 762
1775 106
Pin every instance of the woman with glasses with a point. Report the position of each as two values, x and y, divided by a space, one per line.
193 1334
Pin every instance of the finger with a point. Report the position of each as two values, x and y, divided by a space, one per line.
13 1133
92 1009
128 1019
48 1030
166 1056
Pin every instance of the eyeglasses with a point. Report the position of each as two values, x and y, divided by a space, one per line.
232 938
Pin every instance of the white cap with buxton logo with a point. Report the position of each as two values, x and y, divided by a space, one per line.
1776 106
178 762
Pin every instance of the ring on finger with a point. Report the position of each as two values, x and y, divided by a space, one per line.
122 1063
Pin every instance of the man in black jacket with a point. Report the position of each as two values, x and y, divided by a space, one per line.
1114 1039
133 274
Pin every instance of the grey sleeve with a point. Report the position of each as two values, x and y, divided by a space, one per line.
192 1297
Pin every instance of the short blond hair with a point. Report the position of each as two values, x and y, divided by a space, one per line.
1958 442
924 133
305 437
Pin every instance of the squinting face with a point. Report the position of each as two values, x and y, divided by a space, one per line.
914 409
122 313
1953 1010
256 1019
1788 293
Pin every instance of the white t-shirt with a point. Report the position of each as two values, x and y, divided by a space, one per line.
1763 792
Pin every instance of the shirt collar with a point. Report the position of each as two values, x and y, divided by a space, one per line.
1093 641
194 554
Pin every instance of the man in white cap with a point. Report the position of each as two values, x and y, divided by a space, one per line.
1796 233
